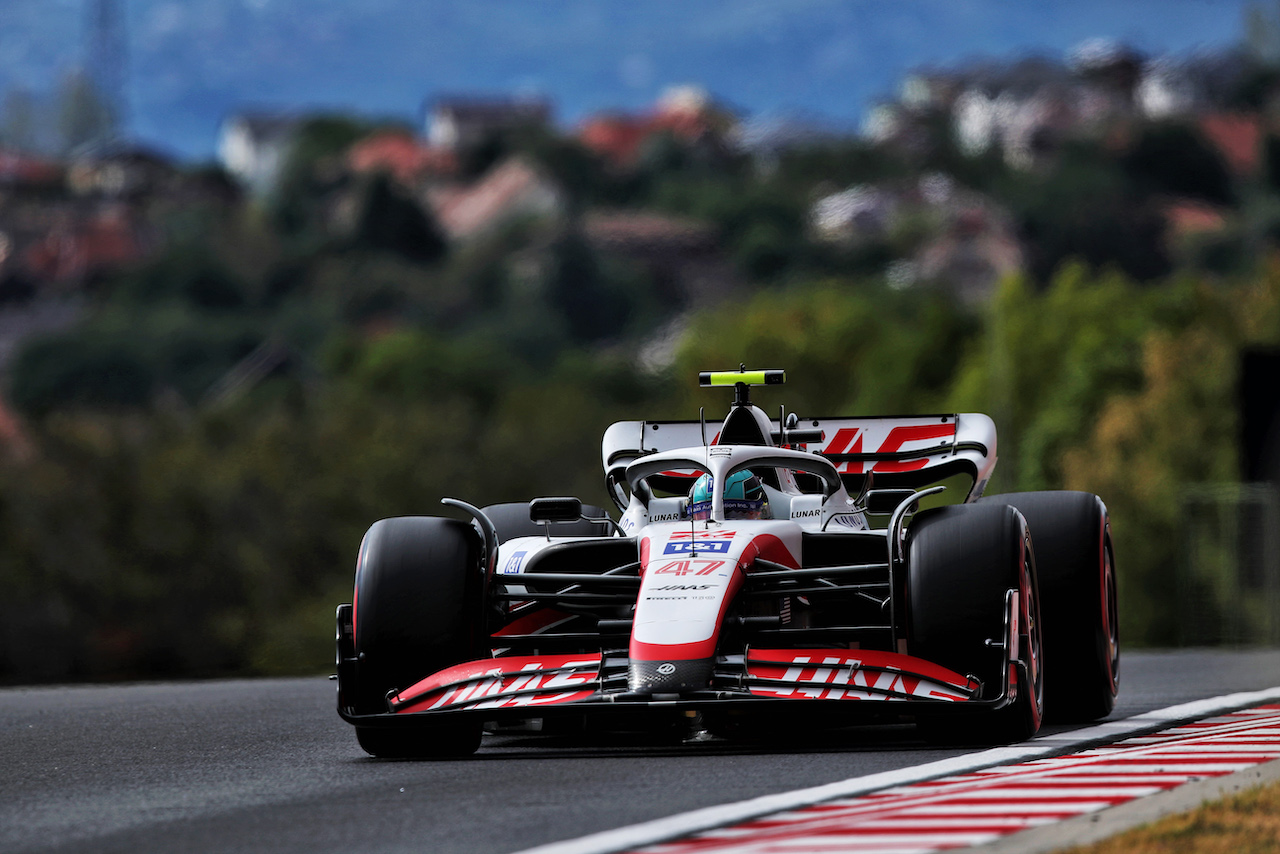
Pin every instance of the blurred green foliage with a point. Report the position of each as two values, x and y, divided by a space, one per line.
201 456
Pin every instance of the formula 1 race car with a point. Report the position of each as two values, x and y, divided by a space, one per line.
763 574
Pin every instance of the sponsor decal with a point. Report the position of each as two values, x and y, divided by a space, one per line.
850 520
705 535
513 564
806 514
848 440
900 436
706 596
689 567
665 517
851 678
680 548
683 587
722 452
666 668
493 689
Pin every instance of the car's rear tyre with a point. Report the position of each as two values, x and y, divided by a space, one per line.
1074 558
417 610
512 520
961 563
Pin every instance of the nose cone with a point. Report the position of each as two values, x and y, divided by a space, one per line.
669 677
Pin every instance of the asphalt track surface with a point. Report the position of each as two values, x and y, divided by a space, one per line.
266 765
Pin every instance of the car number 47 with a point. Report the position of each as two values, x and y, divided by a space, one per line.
689 567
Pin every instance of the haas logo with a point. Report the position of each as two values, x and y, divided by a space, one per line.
666 668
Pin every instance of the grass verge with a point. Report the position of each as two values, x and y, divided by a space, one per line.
1247 823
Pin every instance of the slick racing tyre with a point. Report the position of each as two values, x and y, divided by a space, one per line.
512 520
961 563
1074 558
417 610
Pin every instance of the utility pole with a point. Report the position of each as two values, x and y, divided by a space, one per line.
106 64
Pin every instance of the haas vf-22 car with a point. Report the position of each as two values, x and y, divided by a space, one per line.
764 573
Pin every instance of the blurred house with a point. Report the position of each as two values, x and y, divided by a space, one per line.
971 257
1167 89
767 137
857 214
944 235
1189 218
617 137
929 90
513 189
1237 138
254 147
120 170
1110 68
1028 109
78 247
19 170
687 114
682 256
403 157
15 444
459 124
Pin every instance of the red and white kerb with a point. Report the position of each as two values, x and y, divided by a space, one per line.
973 809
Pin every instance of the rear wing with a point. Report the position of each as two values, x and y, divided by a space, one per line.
908 451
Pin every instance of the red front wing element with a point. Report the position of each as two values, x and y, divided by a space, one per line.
498 683
816 674
828 674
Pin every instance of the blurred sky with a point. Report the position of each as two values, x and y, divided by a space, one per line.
193 62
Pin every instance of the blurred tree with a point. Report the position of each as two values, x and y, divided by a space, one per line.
593 307
847 348
83 114
19 128
838 164
479 158
188 275
311 174
1087 208
1262 33
762 226
1271 161
390 221
1047 364
115 365
573 167
81 369
1141 453
1174 159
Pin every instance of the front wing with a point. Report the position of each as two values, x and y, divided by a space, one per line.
853 682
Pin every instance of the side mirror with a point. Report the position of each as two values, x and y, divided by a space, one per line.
545 510
885 501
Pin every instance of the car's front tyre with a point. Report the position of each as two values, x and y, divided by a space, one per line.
961 563
417 610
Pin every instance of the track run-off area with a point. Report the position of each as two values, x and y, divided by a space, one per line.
1003 797
266 765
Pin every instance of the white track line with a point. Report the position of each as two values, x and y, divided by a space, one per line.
683 824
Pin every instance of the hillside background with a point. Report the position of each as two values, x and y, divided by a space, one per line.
239 325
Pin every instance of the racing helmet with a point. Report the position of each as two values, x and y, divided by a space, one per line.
744 497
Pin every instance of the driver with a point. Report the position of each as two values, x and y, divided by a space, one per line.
744 497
